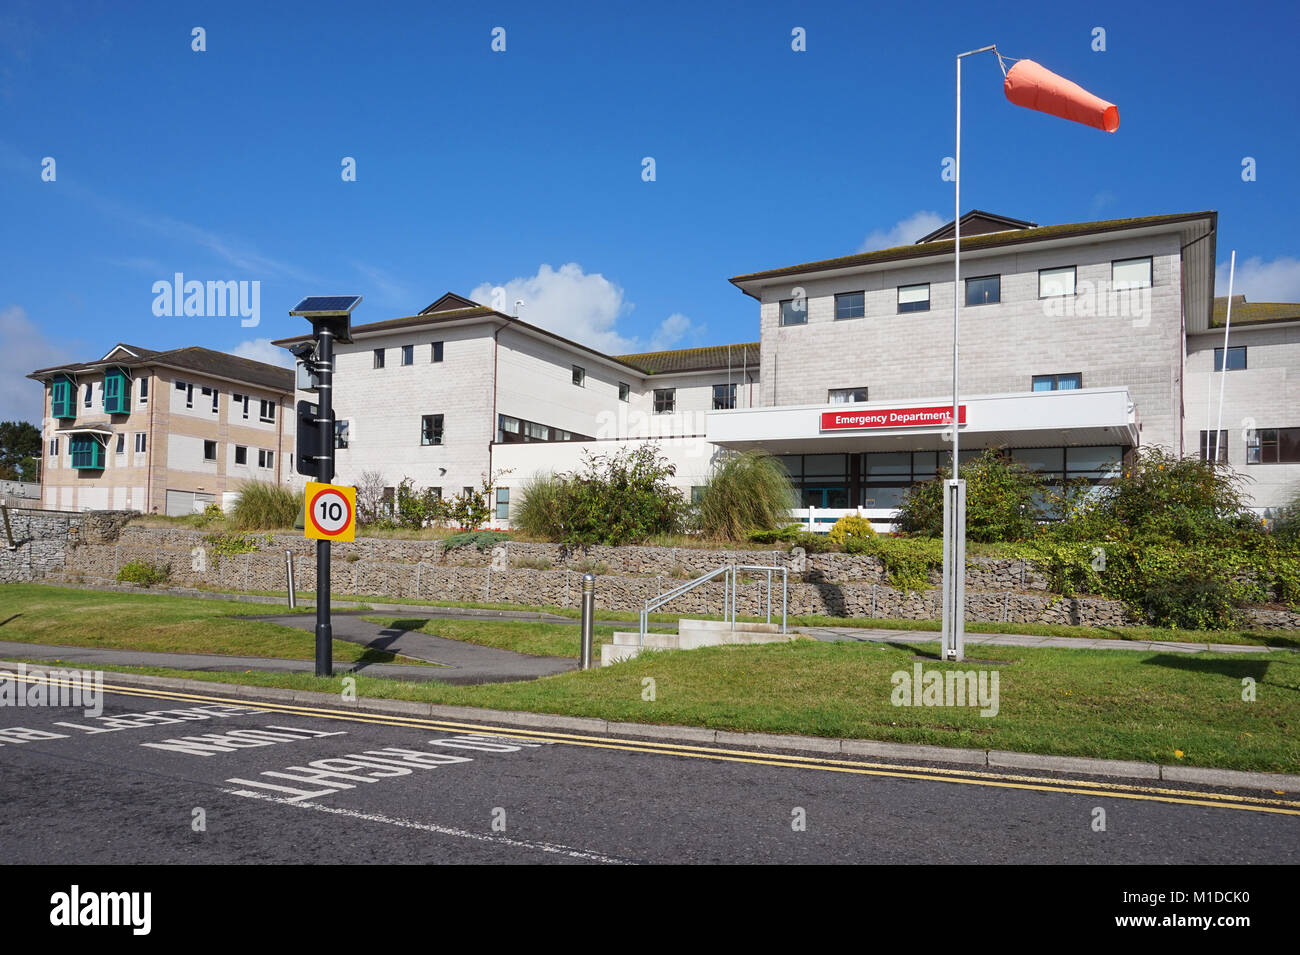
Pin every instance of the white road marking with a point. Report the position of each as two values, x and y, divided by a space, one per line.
553 848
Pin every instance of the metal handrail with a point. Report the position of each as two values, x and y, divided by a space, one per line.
730 573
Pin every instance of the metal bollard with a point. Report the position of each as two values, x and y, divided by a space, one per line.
588 617
288 563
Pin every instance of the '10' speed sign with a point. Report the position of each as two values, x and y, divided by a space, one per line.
331 512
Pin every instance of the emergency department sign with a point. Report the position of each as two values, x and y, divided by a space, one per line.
331 512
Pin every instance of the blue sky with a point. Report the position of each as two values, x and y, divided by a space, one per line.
523 168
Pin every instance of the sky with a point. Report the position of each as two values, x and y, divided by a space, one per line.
128 156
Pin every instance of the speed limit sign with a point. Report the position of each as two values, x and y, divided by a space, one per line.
331 512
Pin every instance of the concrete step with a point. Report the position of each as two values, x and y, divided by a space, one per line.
611 653
741 625
660 641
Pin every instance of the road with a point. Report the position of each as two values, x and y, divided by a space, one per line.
175 777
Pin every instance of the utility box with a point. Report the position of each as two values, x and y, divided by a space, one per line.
307 380
308 444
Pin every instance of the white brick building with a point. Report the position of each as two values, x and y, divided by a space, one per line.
1079 343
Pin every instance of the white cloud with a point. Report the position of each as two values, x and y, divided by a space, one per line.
261 349
23 349
1275 281
904 232
584 307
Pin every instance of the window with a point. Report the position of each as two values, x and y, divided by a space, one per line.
984 290
1236 358
1058 382
144 391
1220 448
241 455
579 376
794 311
61 398
437 493
697 493
216 401
87 452
724 397
408 354
437 351
90 392
1131 273
189 392
467 491
240 401
267 412
431 430
379 358
1273 446
536 432
665 400
846 396
117 392
914 298
341 434
121 444
850 305
503 503
265 459
624 391
1054 282
54 447
209 450
509 425
140 442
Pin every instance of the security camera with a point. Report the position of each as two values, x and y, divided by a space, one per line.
303 350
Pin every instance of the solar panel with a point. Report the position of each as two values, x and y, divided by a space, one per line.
326 304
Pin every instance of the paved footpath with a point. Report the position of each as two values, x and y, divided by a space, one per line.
866 635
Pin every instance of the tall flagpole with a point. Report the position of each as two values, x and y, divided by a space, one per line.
1223 377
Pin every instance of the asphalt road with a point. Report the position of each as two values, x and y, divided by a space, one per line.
125 787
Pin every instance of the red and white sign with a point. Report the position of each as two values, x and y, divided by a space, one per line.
331 512
859 419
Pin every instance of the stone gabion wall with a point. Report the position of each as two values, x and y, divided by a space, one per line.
44 539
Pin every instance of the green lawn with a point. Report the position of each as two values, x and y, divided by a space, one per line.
35 613
1116 704
522 636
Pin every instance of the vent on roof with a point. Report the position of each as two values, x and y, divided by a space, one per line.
449 303
977 222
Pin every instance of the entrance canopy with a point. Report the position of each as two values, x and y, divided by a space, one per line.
1078 417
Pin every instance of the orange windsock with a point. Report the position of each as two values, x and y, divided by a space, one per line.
1030 85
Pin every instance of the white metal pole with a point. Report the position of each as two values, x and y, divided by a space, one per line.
1223 376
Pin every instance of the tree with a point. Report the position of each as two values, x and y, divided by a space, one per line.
20 451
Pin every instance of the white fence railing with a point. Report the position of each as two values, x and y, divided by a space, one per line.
819 520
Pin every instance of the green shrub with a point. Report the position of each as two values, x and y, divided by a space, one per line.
907 561
483 540
262 506
850 527
788 535
228 545
144 573
538 511
1002 498
744 492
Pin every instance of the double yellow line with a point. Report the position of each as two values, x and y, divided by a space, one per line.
1080 787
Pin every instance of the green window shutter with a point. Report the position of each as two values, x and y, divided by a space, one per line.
87 453
117 393
61 398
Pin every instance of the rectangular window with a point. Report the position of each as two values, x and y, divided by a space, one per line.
241 454
265 459
536 432
984 290
724 397
341 434
379 358
624 391
1131 273
697 493
914 298
794 311
408 354
216 401
189 392
87 452
144 391
61 398
503 503
579 376
1209 447
242 402
117 393
437 493
850 305
1236 358
90 393
509 425
431 430
846 396
1059 281
437 351
140 442
1058 382
54 447
665 400
1273 446
267 412
121 444
209 450
467 491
